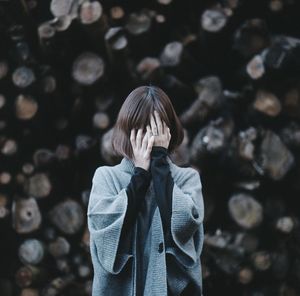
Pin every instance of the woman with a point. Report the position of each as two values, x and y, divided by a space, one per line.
145 214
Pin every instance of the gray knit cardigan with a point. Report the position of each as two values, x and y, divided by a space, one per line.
114 261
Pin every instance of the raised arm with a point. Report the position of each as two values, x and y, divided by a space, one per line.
163 185
181 207
187 218
136 191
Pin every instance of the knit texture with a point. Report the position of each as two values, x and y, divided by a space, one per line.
114 260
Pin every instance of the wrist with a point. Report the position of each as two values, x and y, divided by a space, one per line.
159 147
142 172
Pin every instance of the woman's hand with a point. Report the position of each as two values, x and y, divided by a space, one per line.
160 129
141 148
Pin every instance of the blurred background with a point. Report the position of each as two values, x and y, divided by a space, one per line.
231 69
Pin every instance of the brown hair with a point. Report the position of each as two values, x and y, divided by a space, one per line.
135 113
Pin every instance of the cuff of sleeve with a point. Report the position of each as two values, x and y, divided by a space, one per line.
141 171
158 151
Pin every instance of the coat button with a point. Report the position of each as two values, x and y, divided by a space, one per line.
195 213
160 247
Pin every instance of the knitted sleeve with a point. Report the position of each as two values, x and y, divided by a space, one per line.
181 204
108 210
187 219
136 191
163 186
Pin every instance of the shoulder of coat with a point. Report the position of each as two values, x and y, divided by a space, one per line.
99 171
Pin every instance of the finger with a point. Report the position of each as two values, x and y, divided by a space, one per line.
149 130
158 122
145 141
165 128
132 137
139 138
153 124
168 130
149 145
165 131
